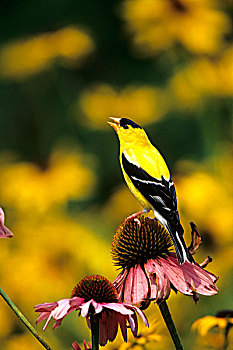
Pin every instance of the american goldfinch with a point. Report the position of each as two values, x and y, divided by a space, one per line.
149 179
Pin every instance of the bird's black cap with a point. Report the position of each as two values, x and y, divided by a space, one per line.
125 123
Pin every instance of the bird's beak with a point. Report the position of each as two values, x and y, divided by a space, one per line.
116 124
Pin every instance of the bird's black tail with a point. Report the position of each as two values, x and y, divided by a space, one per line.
182 252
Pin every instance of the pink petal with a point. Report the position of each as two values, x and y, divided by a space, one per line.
119 284
4 231
46 307
118 307
42 316
117 313
108 326
136 287
140 313
76 302
120 278
47 322
103 334
160 288
122 321
88 344
189 278
57 310
57 323
86 305
133 323
140 288
62 310
112 326
154 288
76 346
128 287
2 217
85 308
97 306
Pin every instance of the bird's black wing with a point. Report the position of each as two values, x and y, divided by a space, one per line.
160 194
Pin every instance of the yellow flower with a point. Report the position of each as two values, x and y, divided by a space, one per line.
213 331
205 324
23 341
6 319
27 187
142 341
198 79
160 24
50 251
225 69
205 196
25 57
143 103
118 205
202 77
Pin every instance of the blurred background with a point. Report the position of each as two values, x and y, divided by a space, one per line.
65 67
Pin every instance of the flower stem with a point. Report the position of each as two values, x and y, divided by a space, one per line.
170 325
23 319
95 332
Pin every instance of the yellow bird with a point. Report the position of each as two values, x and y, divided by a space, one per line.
149 180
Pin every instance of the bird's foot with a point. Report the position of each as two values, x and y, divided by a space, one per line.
133 216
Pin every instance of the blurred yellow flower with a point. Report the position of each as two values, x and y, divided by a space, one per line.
225 69
23 341
205 324
202 77
143 103
160 24
52 252
27 187
205 197
49 255
195 81
144 338
25 57
120 205
6 317
214 331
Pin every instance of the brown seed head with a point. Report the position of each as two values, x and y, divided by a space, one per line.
138 240
97 288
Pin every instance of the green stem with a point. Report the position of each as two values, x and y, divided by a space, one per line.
95 332
170 325
23 319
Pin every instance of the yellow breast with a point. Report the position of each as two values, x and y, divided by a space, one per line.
150 160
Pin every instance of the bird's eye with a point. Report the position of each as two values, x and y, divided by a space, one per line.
125 126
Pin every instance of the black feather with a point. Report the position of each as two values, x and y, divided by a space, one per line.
124 122
161 194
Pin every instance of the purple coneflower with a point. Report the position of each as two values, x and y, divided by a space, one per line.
95 296
141 248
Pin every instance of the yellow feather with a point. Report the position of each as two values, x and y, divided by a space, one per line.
139 150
